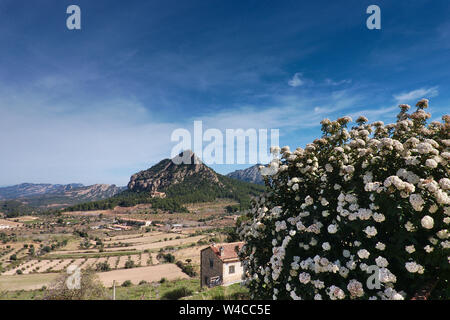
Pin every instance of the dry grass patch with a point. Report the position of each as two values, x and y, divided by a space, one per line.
192 254
26 281
136 275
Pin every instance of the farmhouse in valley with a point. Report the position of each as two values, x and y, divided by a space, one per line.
220 265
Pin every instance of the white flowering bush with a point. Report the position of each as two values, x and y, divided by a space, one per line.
373 197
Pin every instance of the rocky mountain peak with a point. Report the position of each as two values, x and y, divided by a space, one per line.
171 171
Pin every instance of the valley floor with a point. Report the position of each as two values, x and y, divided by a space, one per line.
48 245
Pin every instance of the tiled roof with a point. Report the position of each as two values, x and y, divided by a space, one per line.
229 250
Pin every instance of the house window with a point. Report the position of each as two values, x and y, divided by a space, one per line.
211 263
231 269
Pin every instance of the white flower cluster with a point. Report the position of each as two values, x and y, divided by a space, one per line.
374 195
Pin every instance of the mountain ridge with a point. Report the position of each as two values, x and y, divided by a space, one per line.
251 175
24 190
57 195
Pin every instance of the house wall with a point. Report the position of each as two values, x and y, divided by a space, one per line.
229 278
206 270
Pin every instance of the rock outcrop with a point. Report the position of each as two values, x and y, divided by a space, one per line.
168 172
251 175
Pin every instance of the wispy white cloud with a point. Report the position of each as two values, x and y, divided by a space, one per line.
332 82
296 80
416 94
287 112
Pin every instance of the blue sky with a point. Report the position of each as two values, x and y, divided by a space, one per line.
98 104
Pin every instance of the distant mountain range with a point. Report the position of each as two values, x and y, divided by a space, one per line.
57 195
251 175
25 190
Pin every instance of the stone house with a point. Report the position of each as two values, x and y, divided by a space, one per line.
220 265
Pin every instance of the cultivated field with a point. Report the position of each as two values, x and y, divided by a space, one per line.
48 245
26 282
149 274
